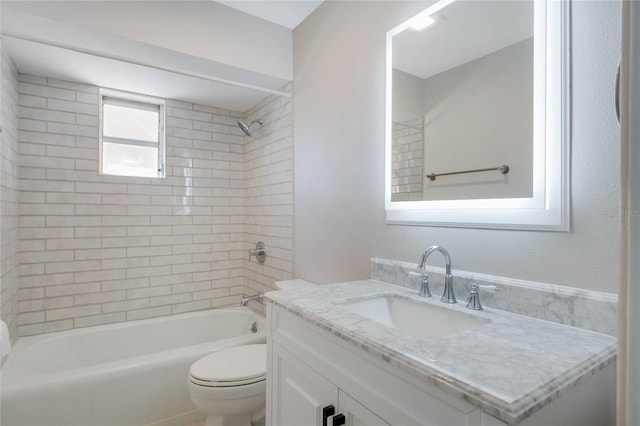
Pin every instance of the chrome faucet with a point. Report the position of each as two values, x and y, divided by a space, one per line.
447 296
247 299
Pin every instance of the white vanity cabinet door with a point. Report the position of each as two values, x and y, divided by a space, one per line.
301 393
357 414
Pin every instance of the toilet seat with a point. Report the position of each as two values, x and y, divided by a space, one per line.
235 366
213 384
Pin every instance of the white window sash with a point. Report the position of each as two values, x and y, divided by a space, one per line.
130 100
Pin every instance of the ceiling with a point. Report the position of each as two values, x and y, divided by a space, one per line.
285 13
77 41
464 31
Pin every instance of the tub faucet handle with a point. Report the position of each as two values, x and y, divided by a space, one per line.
259 252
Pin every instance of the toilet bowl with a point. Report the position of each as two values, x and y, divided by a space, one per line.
229 386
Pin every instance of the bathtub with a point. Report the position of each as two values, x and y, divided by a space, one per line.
132 373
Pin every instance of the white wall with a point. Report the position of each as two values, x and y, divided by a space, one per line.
408 97
9 195
339 57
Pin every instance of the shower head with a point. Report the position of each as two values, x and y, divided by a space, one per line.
245 127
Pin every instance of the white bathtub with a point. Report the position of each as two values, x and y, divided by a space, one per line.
132 373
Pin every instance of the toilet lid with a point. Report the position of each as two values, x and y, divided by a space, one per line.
237 364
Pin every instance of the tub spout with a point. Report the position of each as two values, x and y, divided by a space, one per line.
247 299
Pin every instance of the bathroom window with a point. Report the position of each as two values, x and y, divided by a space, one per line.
131 135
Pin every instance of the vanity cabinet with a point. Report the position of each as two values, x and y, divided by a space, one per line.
310 369
308 398
510 370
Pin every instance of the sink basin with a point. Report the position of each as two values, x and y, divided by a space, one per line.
413 318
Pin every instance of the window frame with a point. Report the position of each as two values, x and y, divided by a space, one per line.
142 102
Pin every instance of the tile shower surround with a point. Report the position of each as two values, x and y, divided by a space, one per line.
9 194
406 167
591 310
102 249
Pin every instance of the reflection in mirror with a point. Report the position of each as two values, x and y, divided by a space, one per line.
479 85
466 103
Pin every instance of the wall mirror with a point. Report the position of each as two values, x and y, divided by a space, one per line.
477 131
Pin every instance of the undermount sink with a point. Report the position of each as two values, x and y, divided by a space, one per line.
413 318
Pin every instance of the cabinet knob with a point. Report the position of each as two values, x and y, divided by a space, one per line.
327 412
339 419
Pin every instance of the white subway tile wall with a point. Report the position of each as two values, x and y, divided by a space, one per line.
102 249
9 194
269 202
407 144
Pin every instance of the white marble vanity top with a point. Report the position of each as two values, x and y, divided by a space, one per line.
511 367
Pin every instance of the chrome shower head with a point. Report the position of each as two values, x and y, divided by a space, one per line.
245 127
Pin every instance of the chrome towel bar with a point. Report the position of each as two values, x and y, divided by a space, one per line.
504 169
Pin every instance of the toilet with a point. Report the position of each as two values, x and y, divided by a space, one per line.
229 385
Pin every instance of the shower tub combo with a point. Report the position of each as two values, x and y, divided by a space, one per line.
132 373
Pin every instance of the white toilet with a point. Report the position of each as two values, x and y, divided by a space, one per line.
229 386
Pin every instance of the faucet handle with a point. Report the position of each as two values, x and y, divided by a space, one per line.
474 298
424 285
489 288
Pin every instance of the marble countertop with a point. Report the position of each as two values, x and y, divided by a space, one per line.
510 367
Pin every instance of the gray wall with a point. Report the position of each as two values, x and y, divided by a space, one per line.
339 58
480 115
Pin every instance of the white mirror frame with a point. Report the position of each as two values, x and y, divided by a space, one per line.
548 209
